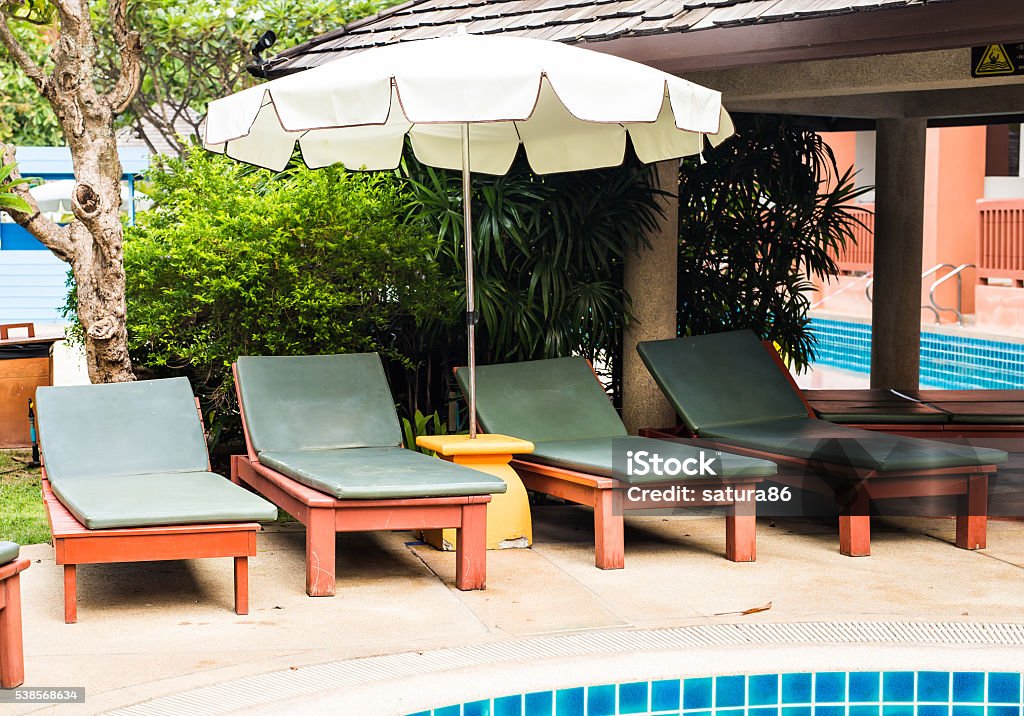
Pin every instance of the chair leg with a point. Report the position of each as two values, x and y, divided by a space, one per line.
241 585
70 593
471 548
972 514
234 469
320 538
855 524
609 530
12 656
741 531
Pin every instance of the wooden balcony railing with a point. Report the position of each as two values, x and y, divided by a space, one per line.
859 256
1001 240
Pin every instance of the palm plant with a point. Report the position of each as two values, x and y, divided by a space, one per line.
760 217
549 253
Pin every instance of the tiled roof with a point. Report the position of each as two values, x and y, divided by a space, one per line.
563 20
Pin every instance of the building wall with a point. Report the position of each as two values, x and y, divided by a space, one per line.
955 181
31 287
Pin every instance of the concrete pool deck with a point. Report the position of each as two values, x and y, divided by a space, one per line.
153 629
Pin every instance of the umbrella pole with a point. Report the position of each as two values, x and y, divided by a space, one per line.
471 317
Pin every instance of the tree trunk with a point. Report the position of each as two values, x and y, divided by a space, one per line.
92 242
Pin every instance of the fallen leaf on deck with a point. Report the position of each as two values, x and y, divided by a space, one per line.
745 612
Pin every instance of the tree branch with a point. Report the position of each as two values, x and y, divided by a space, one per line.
22 58
129 47
55 237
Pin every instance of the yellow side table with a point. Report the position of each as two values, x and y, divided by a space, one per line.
508 515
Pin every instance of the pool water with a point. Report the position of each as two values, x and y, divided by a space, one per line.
947 361
837 693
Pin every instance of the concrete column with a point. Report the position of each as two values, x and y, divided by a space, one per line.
650 279
899 241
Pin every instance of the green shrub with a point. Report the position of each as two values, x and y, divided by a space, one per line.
235 261
759 218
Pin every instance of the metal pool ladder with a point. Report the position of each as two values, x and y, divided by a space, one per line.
932 305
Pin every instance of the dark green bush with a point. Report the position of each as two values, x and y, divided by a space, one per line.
235 261
758 220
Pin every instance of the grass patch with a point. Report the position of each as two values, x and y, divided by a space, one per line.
22 519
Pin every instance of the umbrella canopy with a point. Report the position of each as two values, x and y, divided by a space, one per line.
468 102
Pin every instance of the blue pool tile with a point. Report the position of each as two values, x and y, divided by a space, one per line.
449 711
864 686
569 702
477 708
796 711
773 711
421 713
932 710
796 688
1004 711
901 710
1003 688
601 701
763 690
509 706
730 691
968 710
665 695
933 686
898 686
830 687
698 713
696 694
540 703
633 698
968 687
864 711
829 711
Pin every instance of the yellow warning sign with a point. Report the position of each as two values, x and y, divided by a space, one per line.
995 60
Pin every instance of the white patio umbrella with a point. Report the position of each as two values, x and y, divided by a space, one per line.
468 102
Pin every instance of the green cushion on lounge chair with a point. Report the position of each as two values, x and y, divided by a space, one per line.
317 402
721 379
377 473
812 439
595 456
147 426
8 552
134 455
541 400
176 498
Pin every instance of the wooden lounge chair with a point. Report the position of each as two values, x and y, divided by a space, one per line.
925 413
731 390
12 658
126 479
324 444
560 406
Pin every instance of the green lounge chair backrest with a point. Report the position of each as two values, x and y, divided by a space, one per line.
145 427
721 379
554 399
316 402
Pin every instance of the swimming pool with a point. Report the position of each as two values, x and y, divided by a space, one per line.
833 693
947 361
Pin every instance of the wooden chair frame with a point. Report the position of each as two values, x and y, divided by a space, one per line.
76 544
861 486
12 650
324 516
605 496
